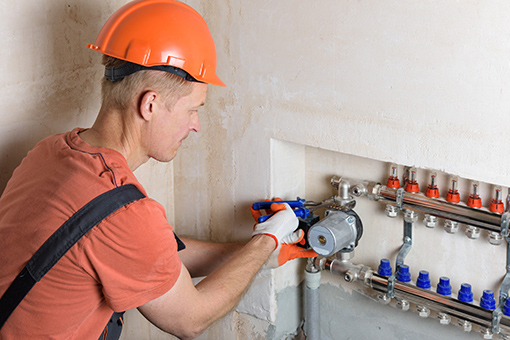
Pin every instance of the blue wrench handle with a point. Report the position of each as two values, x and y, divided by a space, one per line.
299 212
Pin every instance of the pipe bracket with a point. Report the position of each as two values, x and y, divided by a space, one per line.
391 286
505 221
408 243
399 199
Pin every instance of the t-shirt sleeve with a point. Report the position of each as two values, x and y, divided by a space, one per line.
133 255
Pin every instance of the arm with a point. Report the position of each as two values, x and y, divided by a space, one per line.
202 258
186 310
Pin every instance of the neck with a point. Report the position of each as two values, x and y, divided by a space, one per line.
119 131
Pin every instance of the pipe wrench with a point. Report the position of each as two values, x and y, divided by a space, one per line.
298 206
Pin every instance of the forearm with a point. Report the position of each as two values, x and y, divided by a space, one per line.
224 287
202 258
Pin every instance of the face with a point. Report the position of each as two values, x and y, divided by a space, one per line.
169 127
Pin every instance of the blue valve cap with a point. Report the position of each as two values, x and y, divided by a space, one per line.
487 300
444 287
506 307
385 268
465 293
403 274
423 280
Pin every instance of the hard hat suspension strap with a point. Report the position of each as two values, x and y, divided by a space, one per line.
118 73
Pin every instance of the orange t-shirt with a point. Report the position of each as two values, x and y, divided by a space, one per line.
125 261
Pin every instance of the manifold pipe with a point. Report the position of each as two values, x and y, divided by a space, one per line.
404 291
476 217
312 311
482 218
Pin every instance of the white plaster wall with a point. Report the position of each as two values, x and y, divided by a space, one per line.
422 83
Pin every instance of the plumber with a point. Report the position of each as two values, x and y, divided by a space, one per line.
159 58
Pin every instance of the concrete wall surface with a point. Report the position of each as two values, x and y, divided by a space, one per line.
315 89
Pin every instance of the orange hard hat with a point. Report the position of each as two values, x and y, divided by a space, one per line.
164 35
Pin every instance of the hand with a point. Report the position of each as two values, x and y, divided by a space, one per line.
283 223
287 247
289 250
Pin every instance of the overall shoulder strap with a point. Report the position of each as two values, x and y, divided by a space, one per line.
62 240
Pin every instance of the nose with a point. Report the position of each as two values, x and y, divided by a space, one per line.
194 123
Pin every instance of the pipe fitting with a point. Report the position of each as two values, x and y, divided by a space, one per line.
410 216
466 325
383 298
391 211
311 265
312 280
373 190
344 189
451 227
403 305
430 221
495 238
365 275
423 311
359 190
472 232
444 319
486 333
351 276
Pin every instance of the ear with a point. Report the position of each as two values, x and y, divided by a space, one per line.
148 105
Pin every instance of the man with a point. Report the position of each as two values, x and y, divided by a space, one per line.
159 58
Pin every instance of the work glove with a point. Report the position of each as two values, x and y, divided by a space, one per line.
282 227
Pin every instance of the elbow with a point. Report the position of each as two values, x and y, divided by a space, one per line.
190 331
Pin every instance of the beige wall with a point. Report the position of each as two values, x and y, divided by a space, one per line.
352 85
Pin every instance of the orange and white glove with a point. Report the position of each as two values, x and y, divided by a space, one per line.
284 222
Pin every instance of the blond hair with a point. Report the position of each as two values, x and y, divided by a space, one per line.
120 94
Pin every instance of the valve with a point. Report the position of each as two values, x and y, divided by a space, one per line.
444 287
453 194
423 280
497 205
403 274
506 307
411 184
487 300
384 268
393 181
465 293
474 200
432 190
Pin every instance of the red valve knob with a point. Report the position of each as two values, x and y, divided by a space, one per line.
474 200
411 184
393 181
453 195
432 190
497 205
